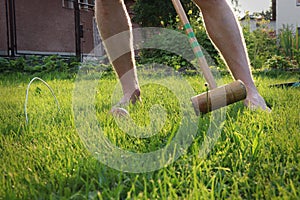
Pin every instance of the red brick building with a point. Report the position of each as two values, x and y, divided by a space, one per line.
46 27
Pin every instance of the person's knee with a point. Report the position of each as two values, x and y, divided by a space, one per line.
208 3
108 7
108 3
101 2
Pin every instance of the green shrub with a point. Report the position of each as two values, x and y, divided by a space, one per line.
4 64
289 43
261 44
34 64
16 64
280 62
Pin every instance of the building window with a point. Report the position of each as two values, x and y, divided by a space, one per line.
86 4
83 4
67 4
298 2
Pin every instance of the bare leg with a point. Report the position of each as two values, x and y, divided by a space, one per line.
225 33
115 28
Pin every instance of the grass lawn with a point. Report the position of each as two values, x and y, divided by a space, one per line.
257 155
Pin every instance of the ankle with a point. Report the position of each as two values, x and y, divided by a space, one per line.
135 96
131 97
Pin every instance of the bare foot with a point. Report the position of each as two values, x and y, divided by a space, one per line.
119 110
131 98
256 101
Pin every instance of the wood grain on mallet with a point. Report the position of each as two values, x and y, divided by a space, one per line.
219 97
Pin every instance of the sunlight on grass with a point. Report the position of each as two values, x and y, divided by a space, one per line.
256 156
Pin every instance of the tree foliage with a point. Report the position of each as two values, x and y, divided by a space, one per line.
161 12
158 12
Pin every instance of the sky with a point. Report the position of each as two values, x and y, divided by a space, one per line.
253 5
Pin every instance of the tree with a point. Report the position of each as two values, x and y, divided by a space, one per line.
158 12
161 12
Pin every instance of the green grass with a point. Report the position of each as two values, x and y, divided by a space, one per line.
256 157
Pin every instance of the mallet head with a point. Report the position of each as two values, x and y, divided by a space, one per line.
219 97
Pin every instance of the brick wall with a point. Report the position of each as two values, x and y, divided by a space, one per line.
45 26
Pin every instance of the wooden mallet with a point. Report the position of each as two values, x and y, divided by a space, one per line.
215 97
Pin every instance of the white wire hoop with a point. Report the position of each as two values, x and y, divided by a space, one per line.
27 92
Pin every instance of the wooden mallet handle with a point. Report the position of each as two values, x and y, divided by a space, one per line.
195 45
217 97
